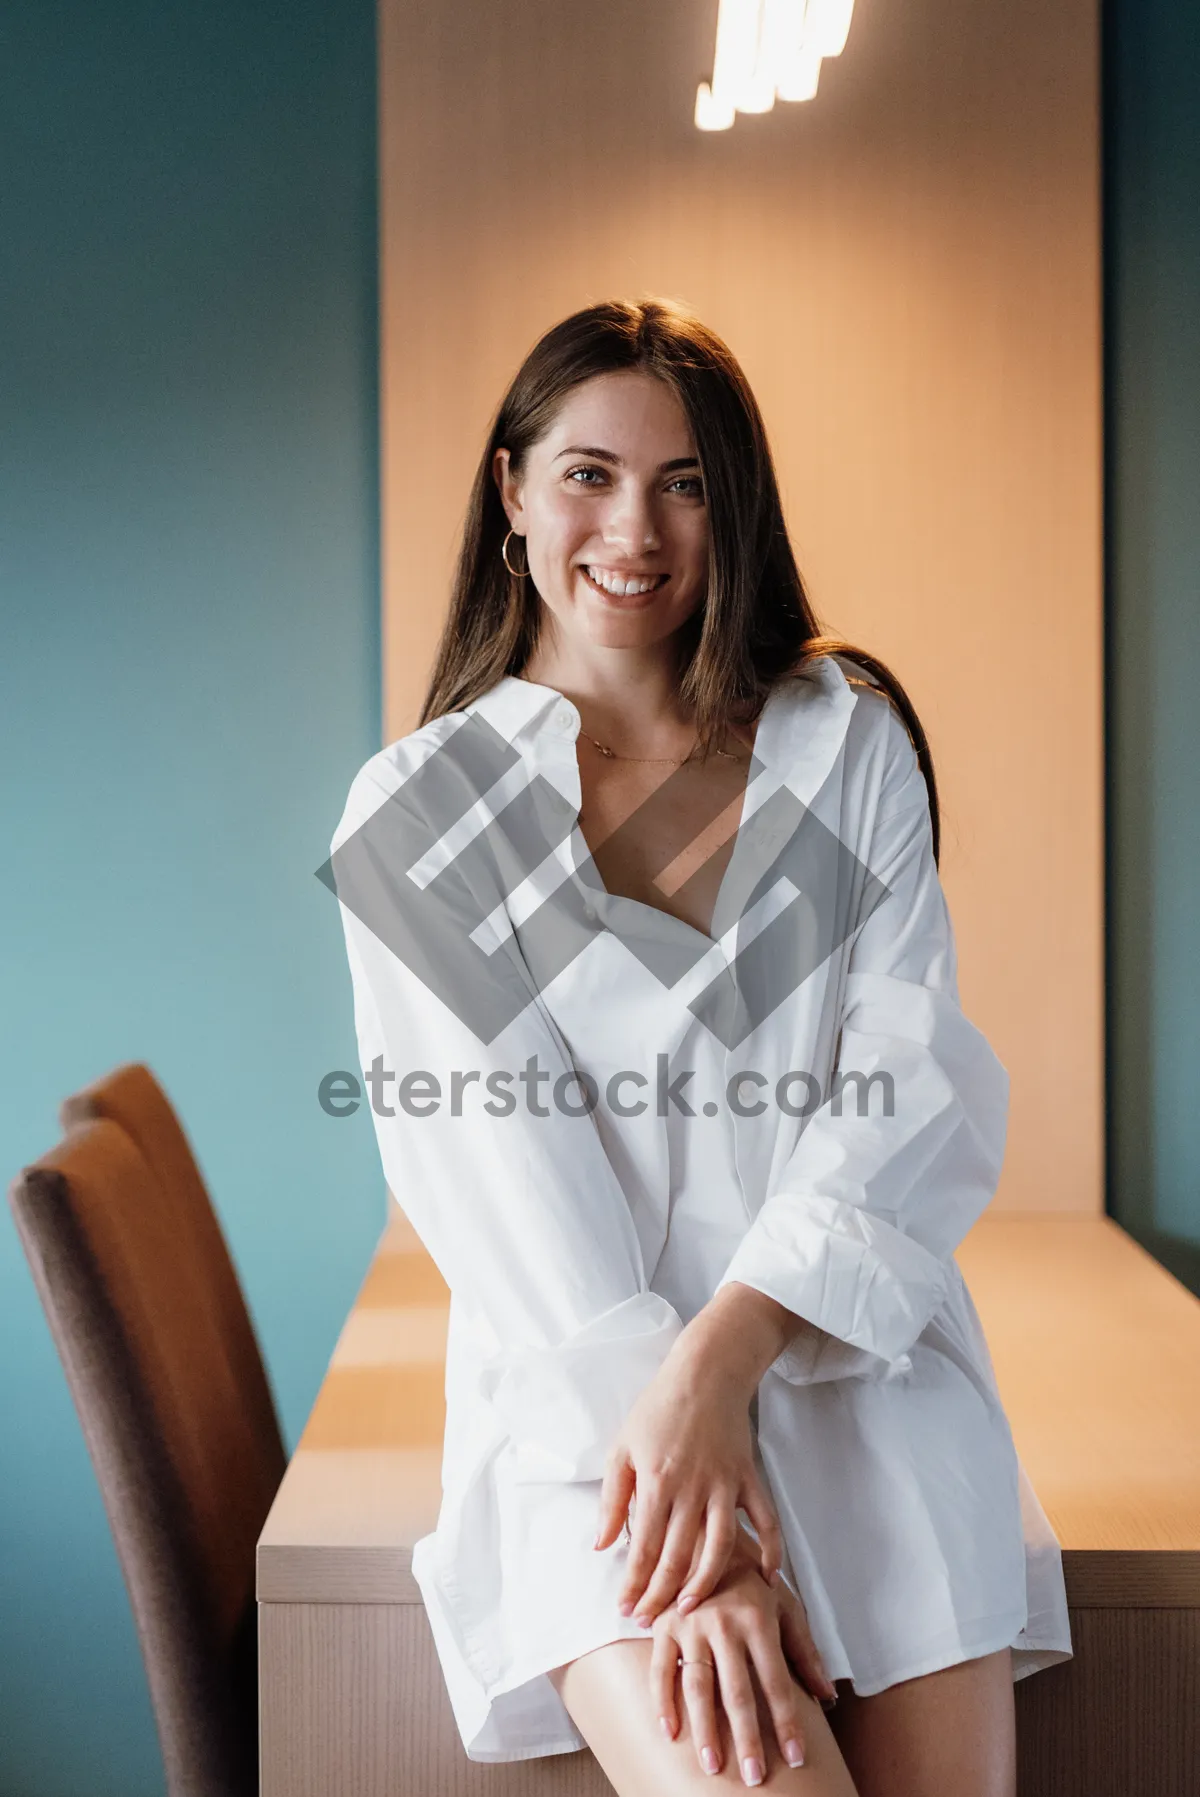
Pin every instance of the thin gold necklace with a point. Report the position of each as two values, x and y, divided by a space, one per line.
673 760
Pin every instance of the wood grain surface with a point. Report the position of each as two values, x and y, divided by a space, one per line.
1097 1353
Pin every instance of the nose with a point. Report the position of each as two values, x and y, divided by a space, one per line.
631 525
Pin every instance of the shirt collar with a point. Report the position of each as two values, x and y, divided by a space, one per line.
800 731
513 705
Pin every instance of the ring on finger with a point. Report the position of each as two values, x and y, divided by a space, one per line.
682 1662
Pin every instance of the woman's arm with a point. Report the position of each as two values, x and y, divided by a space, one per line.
847 1259
515 1200
858 1230
744 1331
517 1203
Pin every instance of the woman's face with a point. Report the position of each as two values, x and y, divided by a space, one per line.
611 506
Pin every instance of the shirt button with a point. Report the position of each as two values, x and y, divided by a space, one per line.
564 717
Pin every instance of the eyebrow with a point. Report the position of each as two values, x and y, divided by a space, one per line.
606 455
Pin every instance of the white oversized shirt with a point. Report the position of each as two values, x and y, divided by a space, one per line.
566 1133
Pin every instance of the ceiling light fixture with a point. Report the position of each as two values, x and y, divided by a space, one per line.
768 50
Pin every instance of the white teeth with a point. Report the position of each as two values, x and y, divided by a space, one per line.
618 586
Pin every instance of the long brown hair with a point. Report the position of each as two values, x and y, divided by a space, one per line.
755 624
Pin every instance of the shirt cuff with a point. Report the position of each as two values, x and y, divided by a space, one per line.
869 1287
563 1406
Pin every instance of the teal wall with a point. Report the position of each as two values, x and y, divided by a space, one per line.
189 678
1153 646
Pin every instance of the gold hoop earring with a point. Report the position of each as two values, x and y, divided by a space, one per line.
520 573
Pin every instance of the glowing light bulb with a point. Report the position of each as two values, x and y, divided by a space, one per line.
712 114
827 25
767 49
799 79
736 79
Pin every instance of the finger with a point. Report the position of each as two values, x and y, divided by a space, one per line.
761 1511
720 1534
737 1700
664 1676
674 1563
699 1680
802 1649
650 1517
697 1555
615 1494
781 1692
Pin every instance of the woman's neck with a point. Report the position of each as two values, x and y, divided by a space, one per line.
634 698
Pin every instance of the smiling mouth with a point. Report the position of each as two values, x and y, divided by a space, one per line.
617 593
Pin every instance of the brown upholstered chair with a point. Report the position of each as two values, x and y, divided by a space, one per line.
186 1463
131 1096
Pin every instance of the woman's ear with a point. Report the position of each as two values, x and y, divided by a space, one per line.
509 485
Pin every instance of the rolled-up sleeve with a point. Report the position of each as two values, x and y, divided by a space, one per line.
858 1228
523 1214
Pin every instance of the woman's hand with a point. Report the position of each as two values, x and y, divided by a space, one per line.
745 1623
685 1452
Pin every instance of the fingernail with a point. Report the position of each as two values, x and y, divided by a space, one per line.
752 1770
643 1622
685 1604
708 1758
774 1578
793 1753
625 1606
665 1724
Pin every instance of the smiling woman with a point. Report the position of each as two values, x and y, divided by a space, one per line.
616 532
617 535
722 1429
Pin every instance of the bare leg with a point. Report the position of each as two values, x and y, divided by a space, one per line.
607 1694
950 1731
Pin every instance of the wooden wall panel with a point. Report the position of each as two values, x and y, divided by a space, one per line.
908 268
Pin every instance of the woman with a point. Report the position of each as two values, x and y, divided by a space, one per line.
649 891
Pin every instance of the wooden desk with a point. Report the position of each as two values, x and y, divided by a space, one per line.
1097 1352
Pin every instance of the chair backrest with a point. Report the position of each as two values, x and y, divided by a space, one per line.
184 1471
131 1096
